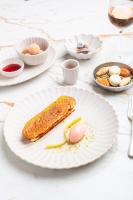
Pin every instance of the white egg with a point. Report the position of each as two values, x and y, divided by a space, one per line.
115 80
114 70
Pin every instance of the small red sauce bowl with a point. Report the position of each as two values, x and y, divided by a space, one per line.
11 67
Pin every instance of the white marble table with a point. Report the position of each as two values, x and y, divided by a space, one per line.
111 177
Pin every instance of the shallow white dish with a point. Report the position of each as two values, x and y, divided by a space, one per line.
110 88
94 44
11 61
33 59
105 129
28 72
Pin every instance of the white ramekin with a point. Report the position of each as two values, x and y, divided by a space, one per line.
70 74
8 62
33 59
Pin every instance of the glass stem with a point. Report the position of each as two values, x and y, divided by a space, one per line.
120 43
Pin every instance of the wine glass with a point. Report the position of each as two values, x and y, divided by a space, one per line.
120 14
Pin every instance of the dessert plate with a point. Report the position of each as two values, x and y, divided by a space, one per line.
29 72
102 121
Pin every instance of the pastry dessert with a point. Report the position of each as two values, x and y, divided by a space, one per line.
32 49
52 115
114 76
82 48
125 72
103 81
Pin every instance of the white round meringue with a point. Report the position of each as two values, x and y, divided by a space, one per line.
114 70
115 80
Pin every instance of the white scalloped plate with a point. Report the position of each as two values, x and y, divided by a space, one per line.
93 108
29 72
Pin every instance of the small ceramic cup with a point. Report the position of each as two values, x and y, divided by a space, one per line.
70 69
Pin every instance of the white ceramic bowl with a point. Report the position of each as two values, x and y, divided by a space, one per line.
33 59
8 62
109 88
93 42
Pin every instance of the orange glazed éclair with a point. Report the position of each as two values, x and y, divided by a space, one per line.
52 115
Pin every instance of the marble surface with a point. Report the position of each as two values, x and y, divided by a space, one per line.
111 177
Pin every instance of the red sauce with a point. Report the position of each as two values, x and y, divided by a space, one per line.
11 67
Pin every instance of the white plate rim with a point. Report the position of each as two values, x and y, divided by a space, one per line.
74 166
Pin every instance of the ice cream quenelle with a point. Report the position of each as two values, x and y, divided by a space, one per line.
76 133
